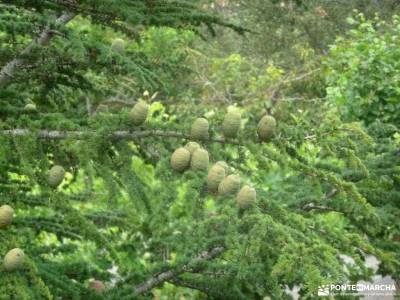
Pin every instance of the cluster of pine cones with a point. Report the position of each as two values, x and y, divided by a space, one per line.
219 181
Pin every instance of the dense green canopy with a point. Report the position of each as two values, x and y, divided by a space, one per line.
196 149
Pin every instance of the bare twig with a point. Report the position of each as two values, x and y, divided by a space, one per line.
302 76
7 72
274 89
285 81
56 32
118 101
329 195
171 274
89 106
312 206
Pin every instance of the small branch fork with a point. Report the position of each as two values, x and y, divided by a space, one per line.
7 72
116 135
169 275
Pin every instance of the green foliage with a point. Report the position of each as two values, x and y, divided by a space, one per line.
362 71
324 187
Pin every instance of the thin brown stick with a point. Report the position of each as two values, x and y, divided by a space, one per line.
171 274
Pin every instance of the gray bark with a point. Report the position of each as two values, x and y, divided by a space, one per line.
116 135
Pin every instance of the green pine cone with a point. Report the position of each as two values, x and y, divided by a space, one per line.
231 124
200 160
246 197
138 114
192 146
199 130
6 215
56 175
180 159
230 185
30 107
224 165
215 176
14 260
118 45
266 128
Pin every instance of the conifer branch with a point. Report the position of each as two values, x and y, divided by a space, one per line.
171 274
7 72
190 285
116 135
